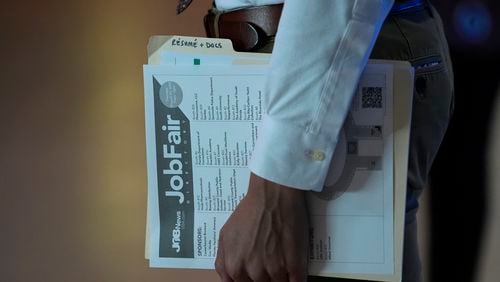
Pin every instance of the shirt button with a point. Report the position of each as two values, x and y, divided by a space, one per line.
315 155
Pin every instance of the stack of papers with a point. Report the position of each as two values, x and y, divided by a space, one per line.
204 106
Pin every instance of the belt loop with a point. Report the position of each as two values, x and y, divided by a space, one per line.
211 22
216 23
404 5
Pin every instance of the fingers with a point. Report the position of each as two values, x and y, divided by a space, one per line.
298 277
238 275
220 266
277 272
260 244
224 276
244 279
231 273
283 277
298 269
259 275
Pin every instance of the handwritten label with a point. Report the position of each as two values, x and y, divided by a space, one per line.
195 44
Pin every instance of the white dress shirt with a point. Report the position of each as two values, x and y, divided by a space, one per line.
321 49
225 5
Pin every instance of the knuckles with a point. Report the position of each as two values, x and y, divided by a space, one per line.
219 265
277 273
236 273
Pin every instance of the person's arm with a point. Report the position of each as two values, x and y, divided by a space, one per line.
321 48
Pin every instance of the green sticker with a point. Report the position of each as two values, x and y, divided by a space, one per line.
197 62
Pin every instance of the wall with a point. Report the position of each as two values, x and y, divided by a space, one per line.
72 153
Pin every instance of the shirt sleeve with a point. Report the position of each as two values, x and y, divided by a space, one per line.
321 49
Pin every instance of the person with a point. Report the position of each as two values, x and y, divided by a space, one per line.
318 55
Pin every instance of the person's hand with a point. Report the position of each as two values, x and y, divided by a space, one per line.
266 237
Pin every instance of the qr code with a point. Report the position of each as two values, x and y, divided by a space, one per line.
371 97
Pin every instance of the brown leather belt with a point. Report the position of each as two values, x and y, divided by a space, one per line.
248 28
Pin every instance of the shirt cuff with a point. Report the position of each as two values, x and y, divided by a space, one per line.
288 155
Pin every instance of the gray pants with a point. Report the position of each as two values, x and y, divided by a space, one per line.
416 35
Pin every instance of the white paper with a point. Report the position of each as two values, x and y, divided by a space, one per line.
215 123
352 217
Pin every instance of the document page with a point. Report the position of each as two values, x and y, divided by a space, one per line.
352 218
202 123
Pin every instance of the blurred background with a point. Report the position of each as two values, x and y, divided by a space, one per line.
72 150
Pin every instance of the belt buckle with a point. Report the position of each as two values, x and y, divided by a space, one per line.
248 28
217 28
244 35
